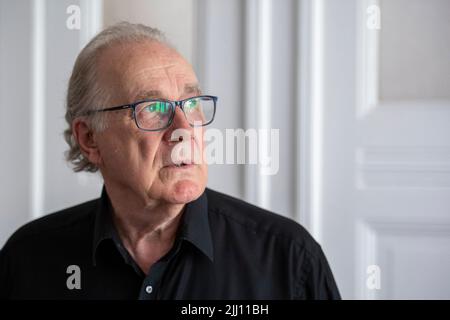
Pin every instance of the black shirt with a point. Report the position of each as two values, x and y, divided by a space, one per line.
224 249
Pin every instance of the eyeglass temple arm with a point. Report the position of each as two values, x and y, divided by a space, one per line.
125 106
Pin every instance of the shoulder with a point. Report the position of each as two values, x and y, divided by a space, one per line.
53 225
261 222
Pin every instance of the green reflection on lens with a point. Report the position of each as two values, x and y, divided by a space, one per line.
158 107
191 104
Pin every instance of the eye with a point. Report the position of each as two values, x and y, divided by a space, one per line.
191 105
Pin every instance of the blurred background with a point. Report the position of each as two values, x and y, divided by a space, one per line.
359 90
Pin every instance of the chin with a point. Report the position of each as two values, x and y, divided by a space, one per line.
185 191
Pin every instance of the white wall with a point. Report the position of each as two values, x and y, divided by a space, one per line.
15 91
36 57
174 17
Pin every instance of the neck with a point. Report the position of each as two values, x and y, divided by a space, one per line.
146 227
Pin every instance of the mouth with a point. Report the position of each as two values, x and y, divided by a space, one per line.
181 165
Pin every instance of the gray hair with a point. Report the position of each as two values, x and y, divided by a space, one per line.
85 92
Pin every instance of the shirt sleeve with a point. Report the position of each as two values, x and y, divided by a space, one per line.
318 281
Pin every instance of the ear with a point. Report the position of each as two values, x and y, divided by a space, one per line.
86 139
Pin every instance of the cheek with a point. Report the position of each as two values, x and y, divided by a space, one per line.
117 152
149 151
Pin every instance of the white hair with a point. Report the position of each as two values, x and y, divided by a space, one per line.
86 93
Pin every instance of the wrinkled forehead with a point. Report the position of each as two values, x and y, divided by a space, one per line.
147 70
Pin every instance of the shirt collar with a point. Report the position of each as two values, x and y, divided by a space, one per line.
194 225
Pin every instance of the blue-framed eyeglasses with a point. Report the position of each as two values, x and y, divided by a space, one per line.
156 115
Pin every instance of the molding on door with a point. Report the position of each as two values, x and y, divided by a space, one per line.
92 19
37 106
368 73
374 238
368 61
310 115
258 35
397 167
91 22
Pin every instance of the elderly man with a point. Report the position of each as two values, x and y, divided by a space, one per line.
156 232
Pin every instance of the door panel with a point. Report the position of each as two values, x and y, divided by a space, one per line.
386 163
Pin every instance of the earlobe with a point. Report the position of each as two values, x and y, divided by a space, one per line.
85 137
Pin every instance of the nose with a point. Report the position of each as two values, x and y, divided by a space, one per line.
179 122
179 119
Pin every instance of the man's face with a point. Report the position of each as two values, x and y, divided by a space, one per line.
139 160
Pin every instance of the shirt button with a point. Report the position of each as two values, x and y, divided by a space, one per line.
148 289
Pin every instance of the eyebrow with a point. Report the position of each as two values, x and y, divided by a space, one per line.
157 94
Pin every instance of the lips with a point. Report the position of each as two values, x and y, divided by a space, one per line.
179 167
180 164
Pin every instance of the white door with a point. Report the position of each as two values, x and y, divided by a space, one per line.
381 123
